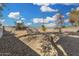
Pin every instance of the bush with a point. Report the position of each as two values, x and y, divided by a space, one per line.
78 31
43 28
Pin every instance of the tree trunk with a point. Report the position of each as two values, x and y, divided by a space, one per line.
60 31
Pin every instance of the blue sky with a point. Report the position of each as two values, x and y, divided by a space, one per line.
30 11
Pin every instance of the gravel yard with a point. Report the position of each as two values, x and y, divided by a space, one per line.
15 45
70 45
11 45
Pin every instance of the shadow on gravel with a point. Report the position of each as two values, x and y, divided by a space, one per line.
12 46
70 45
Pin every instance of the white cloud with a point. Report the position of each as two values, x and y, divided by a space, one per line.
66 20
27 24
38 20
2 20
52 19
23 19
77 8
46 20
67 13
44 7
55 17
43 4
47 9
14 15
19 21
51 25
49 19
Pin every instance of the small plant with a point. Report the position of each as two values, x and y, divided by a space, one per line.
46 46
20 25
43 28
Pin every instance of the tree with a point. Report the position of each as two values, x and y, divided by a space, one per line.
60 21
20 25
74 17
43 27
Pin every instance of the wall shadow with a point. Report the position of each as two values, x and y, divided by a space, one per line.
12 46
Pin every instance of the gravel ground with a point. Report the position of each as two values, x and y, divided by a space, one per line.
74 33
70 45
12 46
